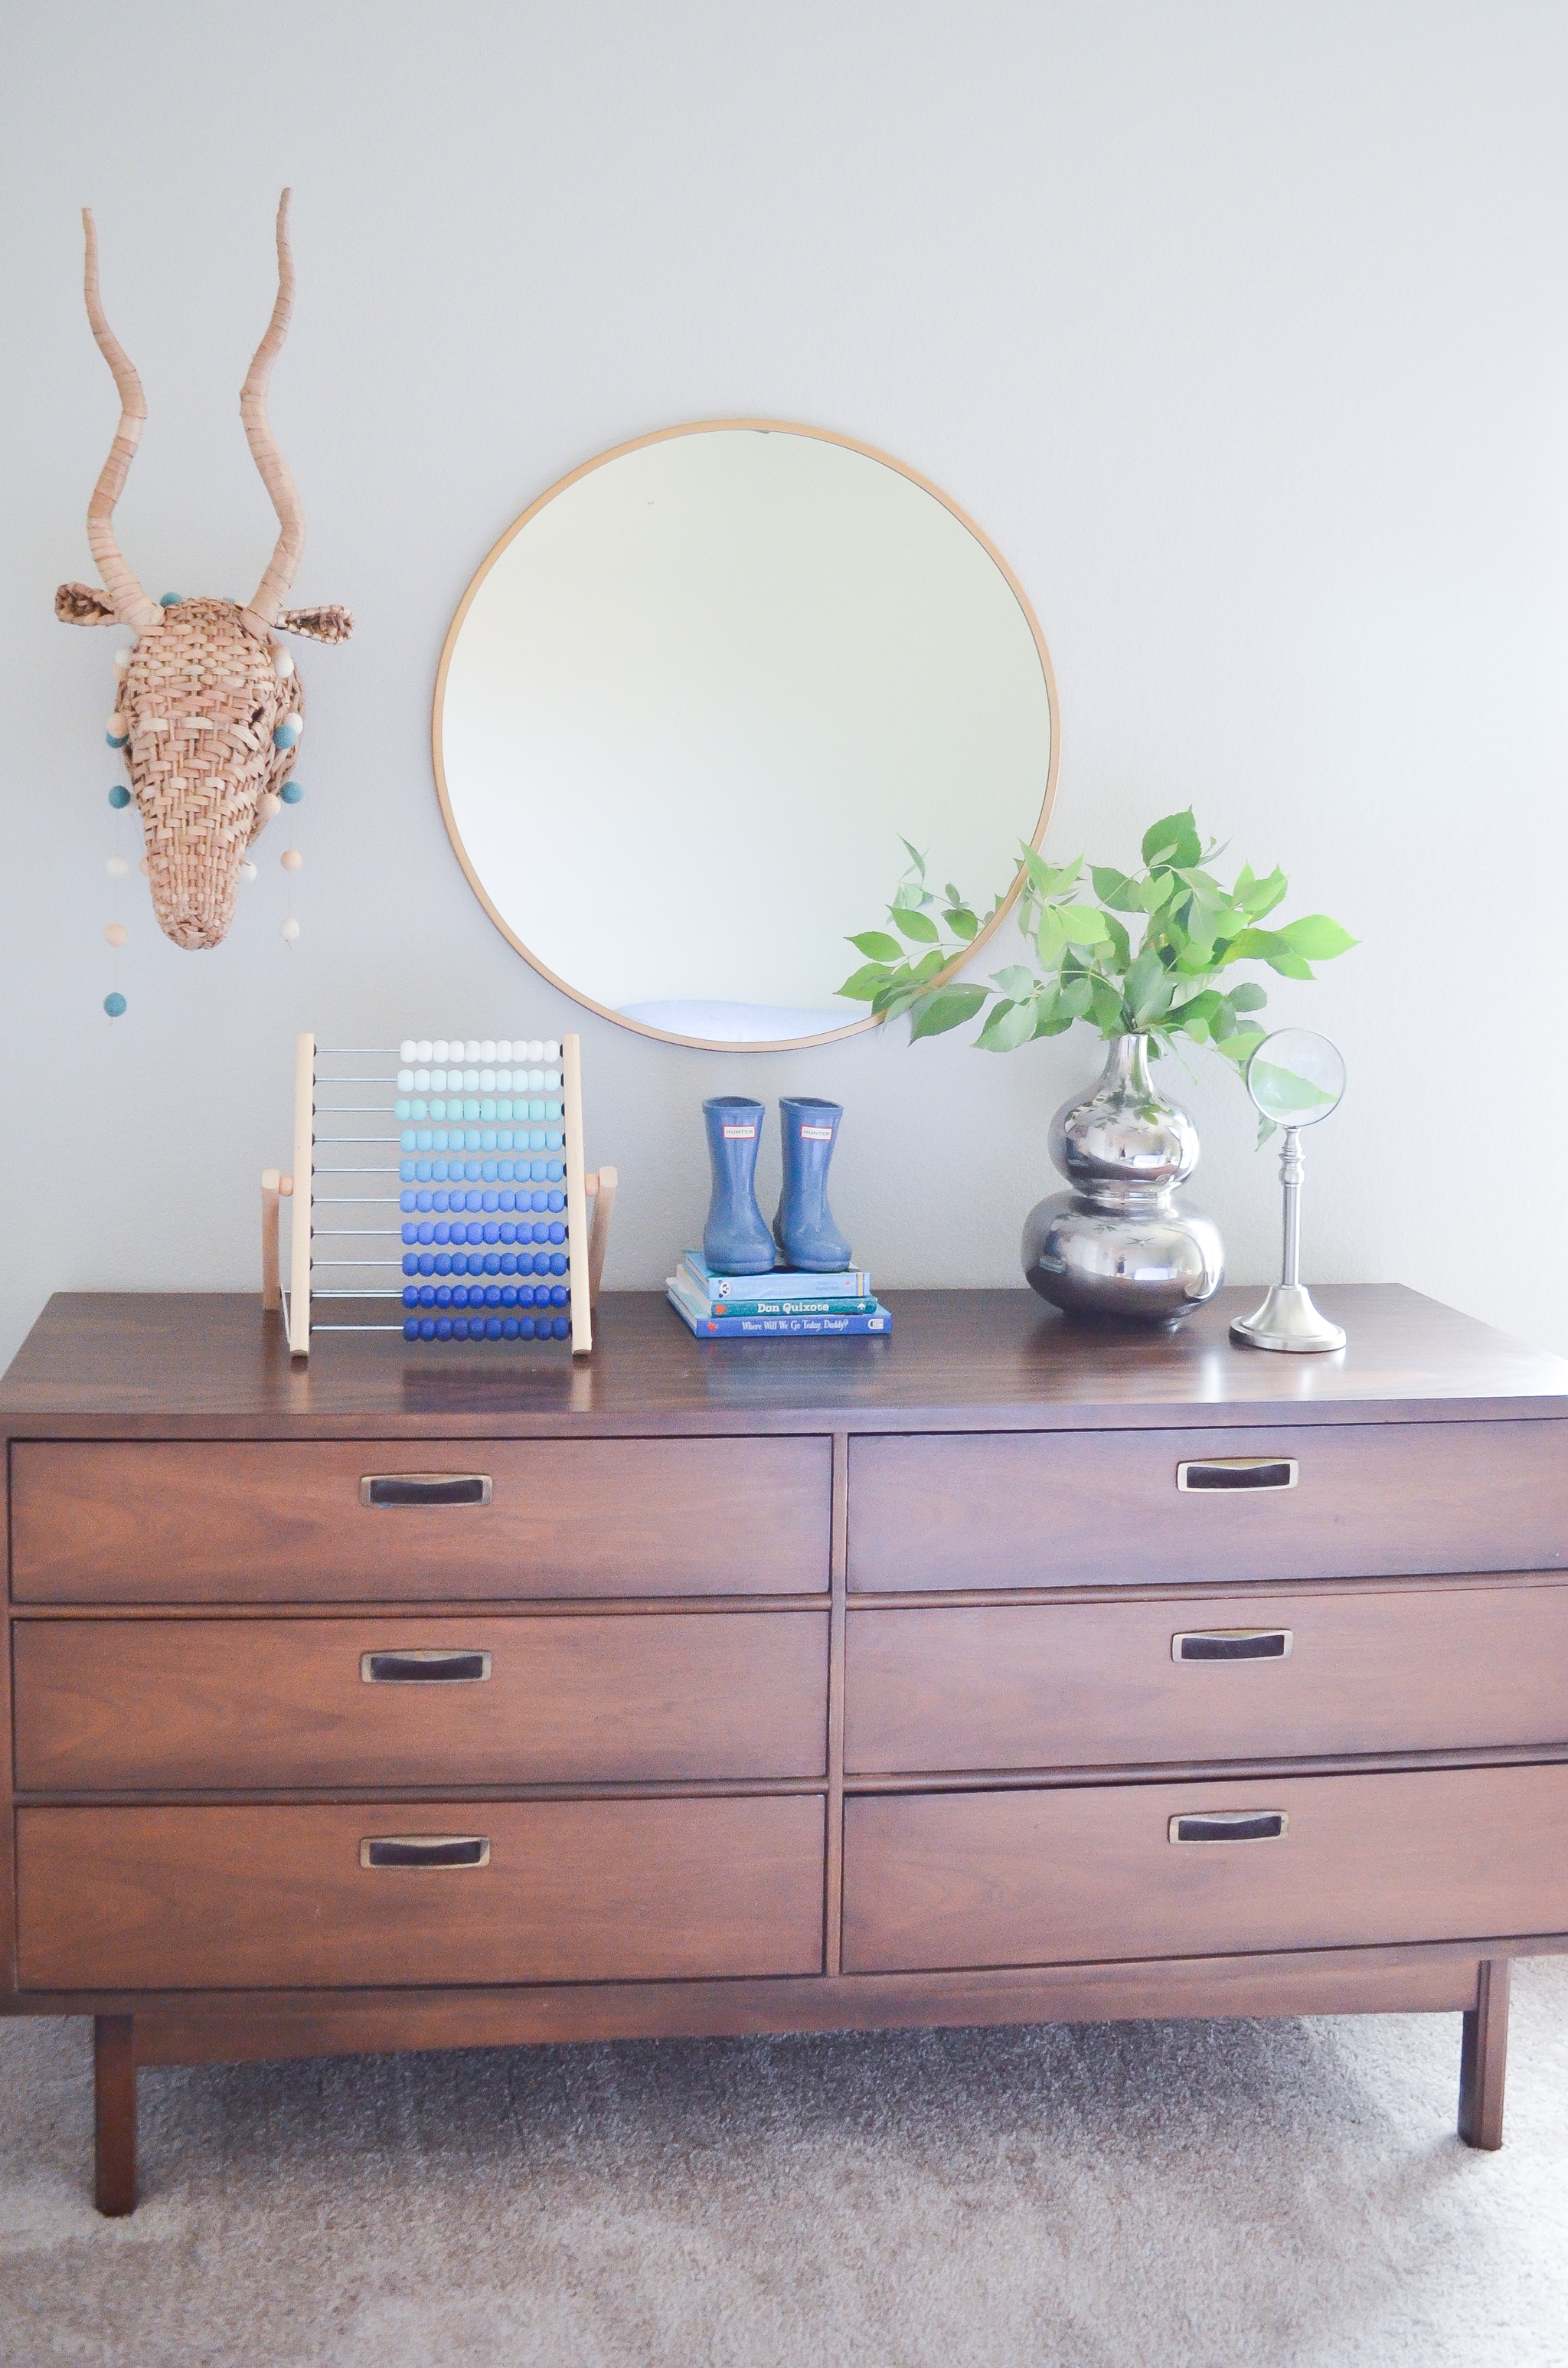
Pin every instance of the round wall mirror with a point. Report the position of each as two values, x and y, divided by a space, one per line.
698 698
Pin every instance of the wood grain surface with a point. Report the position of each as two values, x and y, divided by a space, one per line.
574 1891
212 1366
1009 1510
1446 1668
143 1522
198 1704
1021 1878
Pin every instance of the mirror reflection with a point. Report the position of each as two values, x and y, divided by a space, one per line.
699 696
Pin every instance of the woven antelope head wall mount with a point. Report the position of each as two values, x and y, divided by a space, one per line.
209 709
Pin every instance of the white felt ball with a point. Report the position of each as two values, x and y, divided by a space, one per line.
282 665
269 804
424 1050
289 931
407 1052
121 660
294 720
247 869
487 1048
117 867
291 860
116 934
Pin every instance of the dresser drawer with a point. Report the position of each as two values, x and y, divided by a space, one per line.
1243 1677
169 1704
217 1522
567 1891
1026 1878
1047 1509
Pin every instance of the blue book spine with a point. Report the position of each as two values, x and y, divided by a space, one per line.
852 1282
789 1327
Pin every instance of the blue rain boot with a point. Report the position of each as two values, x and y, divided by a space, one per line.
735 1240
804 1228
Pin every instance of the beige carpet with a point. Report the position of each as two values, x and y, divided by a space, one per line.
1227 2196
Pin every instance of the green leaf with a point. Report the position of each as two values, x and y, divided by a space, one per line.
918 925
1016 980
1050 936
1050 880
1266 1127
1010 1025
878 946
1081 925
1121 953
961 922
1286 1089
948 1007
1115 889
1174 841
1152 894
909 897
1240 1048
916 858
952 894
1150 987
863 983
1317 938
1266 945
1260 897
1075 996
1247 996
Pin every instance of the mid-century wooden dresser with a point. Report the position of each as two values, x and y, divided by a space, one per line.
1005 1670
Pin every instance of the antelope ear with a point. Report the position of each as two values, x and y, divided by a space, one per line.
320 624
78 604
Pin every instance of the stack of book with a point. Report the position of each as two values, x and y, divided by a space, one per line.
771 1306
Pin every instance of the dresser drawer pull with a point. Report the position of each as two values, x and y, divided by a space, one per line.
1236 1472
1230 1826
424 1668
425 1850
425 1488
1230 1644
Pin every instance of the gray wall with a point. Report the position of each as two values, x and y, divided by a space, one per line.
1242 330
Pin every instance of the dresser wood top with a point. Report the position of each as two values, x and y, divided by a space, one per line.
167 1364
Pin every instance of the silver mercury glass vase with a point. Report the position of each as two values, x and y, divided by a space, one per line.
1117 1244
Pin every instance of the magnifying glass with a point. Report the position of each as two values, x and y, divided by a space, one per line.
1296 1078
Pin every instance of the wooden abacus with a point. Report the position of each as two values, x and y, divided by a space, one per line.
494 1241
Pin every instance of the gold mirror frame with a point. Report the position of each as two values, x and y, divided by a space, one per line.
664 436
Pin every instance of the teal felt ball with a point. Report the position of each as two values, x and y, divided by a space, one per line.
171 599
117 739
291 794
120 796
114 1005
285 736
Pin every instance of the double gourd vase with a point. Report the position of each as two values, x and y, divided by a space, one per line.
736 1239
1117 1243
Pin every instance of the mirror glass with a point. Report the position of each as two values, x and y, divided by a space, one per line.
1296 1076
700 695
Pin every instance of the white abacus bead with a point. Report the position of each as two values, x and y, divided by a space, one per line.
289 931
291 860
471 1049
536 1050
247 869
117 867
269 804
551 1049
487 1048
504 1049
487 1081
408 1050
405 1081
437 1050
282 665
116 934
423 1049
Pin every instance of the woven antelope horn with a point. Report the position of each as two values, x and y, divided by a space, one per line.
273 588
132 605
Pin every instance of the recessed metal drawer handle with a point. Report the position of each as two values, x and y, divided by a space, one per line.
425 1488
425 1850
1230 1826
1232 1645
424 1668
1238 1472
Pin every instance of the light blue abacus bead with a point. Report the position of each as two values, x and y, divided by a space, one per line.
115 1005
486 1109
554 1170
418 1107
437 1139
554 1109
536 1139
291 793
408 1140
403 1109
406 1200
285 736
557 1200
120 797
406 1171
555 1140
424 1200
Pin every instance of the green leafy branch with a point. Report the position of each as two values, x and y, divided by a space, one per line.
1081 962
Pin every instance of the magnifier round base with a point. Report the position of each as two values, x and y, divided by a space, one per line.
1288 1320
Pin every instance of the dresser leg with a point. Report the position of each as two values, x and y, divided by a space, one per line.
114 2102
1483 2059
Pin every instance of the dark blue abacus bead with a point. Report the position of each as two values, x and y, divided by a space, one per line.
558 1200
411 1263
442 1232
506 1230
492 1231
558 1233
525 1328
506 1202
509 1261
559 1295
558 1263
443 1294
428 1264
561 1327
509 1291
493 1263
410 1293
426 1294
460 1294
493 1295
428 1328
443 1262
509 1327
411 1233
411 1327
443 1327
492 1327
406 1200
425 1200
492 1200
